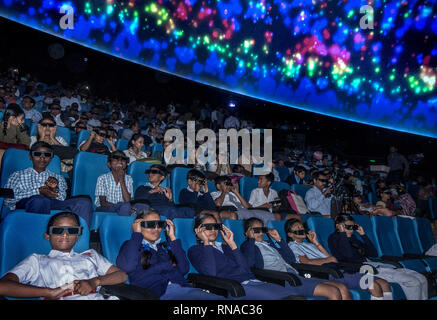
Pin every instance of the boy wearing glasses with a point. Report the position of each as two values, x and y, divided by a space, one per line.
114 189
47 130
62 274
96 142
39 190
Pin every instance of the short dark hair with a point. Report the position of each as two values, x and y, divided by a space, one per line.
316 175
270 177
60 215
40 144
299 169
247 223
287 226
221 179
194 174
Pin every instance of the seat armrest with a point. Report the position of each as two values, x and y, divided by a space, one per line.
128 292
220 286
311 270
388 261
276 277
356 267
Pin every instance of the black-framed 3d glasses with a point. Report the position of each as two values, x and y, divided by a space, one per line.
351 227
298 232
42 154
212 226
70 230
155 171
48 124
153 224
117 157
260 230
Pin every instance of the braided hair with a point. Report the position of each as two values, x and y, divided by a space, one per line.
147 254
13 110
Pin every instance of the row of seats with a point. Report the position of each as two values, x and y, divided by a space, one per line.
21 234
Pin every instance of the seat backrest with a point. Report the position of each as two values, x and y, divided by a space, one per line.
63 132
424 230
22 234
137 170
387 240
283 171
433 207
367 225
84 135
86 169
278 186
300 189
237 228
323 228
247 184
184 232
17 159
178 181
114 231
122 144
157 147
407 234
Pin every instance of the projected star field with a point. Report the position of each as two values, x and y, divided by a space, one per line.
311 55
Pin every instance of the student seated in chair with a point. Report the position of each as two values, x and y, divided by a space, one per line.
63 274
158 264
274 254
39 190
346 247
228 195
308 250
114 189
161 198
197 194
96 142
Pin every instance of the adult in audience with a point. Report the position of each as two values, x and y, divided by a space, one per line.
399 167
12 129
318 198
134 127
136 143
37 189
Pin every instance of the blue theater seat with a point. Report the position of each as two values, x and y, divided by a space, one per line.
283 171
237 229
432 202
122 144
424 230
137 170
157 149
247 184
22 233
278 186
114 230
86 169
63 132
300 189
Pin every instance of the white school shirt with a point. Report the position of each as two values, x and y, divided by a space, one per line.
230 199
258 198
272 258
58 268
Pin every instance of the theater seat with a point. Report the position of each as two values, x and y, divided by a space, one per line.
22 233
432 202
247 184
122 144
86 169
300 189
137 170
278 186
424 230
279 226
114 230
283 171
157 150
237 228
178 181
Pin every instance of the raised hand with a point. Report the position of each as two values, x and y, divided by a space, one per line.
275 234
171 230
228 237
200 233
136 226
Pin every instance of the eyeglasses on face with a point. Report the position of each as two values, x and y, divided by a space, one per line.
260 230
119 158
153 224
154 171
102 134
48 124
323 180
70 230
41 154
212 226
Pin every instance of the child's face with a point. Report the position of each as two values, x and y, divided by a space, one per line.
195 185
296 227
263 182
259 237
149 234
64 242
211 234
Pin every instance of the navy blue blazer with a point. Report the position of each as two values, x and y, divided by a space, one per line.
161 269
341 247
254 257
203 201
230 264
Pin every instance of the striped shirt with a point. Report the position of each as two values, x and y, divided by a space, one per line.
26 183
107 187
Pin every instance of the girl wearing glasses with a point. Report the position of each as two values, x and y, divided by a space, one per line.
308 250
63 274
136 143
157 264
47 130
12 127
274 254
114 189
161 198
347 247
225 260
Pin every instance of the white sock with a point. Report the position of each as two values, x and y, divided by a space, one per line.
388 296
376 298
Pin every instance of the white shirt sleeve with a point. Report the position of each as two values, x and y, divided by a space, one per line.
27 270
102 264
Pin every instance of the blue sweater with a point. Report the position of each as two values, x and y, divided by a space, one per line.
156 199
230 264
203 201
341 248
161 270
254 257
